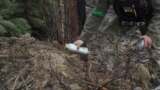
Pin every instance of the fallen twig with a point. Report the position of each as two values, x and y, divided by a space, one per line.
24 83
14 85
89 72
92 77
110 82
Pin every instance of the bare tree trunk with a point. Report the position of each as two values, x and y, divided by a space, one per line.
65 19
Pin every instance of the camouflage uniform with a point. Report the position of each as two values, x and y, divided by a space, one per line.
93 22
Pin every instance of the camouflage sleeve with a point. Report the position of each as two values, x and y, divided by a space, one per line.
93 21
154 30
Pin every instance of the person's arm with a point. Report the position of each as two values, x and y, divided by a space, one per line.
93 21
153 34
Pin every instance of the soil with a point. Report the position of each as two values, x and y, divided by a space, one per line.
29 64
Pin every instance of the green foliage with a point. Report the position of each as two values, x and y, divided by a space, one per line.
11 10
33 13
11 22
4 3
37 22
14 27
2 30
22 24
10 27
35 17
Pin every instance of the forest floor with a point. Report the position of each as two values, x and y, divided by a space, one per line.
29 64
113 64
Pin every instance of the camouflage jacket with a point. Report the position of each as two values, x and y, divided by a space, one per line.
92 23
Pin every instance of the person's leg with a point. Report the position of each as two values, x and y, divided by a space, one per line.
94 20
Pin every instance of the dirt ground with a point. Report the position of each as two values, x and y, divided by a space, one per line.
29 64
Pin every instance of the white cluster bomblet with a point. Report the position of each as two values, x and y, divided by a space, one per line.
74 48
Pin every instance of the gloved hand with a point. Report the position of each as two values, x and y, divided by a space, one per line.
78 43
147 41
